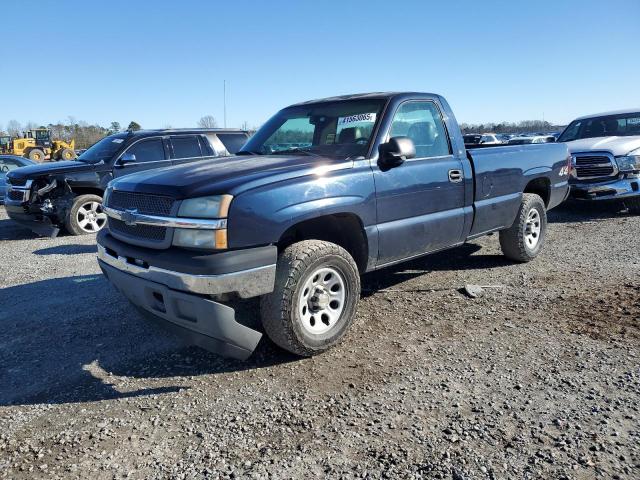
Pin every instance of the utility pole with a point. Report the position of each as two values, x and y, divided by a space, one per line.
224 83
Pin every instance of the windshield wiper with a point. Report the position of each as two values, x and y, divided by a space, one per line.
295 150
248 152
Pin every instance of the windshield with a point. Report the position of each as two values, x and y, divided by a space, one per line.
335 129
103 150
621 125
42 135
472 139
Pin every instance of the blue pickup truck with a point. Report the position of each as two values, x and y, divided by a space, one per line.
325 191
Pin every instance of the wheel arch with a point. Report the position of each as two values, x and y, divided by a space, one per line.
541 186
79 190
345 229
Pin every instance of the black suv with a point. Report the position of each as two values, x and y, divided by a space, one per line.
49 196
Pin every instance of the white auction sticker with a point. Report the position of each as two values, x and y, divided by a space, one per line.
361 117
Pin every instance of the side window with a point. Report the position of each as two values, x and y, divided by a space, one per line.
6 165
233 141
150 150
186 146
205 146
421 122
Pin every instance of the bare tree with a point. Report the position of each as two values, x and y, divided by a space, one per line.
208 121
14 128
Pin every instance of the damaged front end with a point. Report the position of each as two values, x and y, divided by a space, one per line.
40 204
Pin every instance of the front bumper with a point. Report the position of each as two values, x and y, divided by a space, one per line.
617 189
37 223
180 299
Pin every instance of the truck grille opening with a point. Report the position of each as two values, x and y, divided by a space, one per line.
593 166
16 195
141 232
18 182
144 203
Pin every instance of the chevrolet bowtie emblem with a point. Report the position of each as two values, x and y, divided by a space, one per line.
129 217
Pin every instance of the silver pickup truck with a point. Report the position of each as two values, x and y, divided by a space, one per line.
605 151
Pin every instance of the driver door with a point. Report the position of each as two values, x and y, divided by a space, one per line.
420 203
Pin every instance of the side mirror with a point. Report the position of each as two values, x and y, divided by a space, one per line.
395 152
127 158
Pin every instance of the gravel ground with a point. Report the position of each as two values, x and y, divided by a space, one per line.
537 378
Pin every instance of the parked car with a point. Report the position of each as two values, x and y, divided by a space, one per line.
532 139
8 163
606 157
474 139
385 178
48 197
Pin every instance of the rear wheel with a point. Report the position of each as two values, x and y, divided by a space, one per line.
85 215
633 204
36 155
523 241
315 297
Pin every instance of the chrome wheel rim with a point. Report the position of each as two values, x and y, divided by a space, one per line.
90 217
321 300
532 229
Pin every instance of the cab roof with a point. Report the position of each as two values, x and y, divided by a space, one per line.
366 96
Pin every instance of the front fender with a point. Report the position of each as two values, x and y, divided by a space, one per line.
260 216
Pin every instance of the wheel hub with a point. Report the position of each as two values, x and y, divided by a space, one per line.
533 228
320 299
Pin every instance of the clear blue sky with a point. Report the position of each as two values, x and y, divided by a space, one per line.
163 63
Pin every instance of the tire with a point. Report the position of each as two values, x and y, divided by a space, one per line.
66 154
289 312
633 204
524 240
36 155
85 215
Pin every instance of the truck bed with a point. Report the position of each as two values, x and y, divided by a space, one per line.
502 173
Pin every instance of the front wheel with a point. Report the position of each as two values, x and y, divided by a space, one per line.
523 241
315 297
66 154
85 215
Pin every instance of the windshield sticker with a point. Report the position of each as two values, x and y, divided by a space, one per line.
361 117
633 121
117 140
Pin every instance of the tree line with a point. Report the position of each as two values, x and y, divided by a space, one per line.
86 134
524 126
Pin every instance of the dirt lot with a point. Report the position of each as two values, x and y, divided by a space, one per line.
539 378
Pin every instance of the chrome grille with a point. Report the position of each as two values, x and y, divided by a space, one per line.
142 202
141 232
593 166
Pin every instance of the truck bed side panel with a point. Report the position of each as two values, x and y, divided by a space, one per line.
503 173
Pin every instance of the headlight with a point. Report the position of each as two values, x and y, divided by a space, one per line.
628 163
206 207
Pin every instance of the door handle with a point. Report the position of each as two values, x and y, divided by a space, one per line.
455 176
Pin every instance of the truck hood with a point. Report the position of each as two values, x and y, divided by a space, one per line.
616 145
51 168
225 175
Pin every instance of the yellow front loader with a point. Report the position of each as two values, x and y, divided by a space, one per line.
37 145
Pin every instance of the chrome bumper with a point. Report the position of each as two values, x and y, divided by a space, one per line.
614 190
246 283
